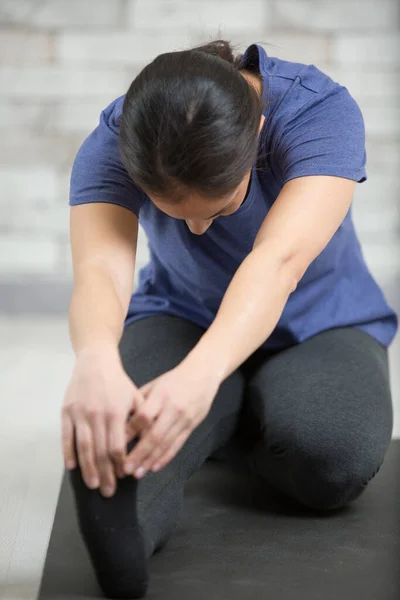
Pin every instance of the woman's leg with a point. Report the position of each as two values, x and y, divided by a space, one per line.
122 532
322 414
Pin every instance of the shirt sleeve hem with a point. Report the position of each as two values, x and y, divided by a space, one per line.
104 199
359 176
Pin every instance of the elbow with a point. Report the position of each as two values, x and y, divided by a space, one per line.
290 266
292 270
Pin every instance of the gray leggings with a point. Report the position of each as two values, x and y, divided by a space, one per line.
314 420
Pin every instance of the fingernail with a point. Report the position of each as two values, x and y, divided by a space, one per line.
129 468
94 483
140 472
156 467
107 491
70 464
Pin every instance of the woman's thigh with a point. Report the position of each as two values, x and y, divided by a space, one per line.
321 415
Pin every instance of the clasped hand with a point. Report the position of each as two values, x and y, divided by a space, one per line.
175 403
103 411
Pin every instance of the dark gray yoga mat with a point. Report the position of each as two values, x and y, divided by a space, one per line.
239 539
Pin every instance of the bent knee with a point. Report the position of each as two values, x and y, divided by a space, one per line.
335 487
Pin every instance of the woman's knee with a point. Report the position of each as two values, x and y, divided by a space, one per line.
330 481
320 475
330 489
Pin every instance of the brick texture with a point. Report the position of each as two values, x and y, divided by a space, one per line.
115 49
60 83
63 61
206 16
381 50
20 255
19 47
340 15
63 14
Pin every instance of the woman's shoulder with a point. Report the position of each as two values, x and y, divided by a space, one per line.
110 116
293 91
283 74
309 76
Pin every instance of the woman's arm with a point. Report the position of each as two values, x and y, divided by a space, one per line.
100 395
103 242
303 219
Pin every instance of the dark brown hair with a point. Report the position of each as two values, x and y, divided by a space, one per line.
190 123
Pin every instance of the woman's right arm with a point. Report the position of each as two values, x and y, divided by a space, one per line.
103 242
100 394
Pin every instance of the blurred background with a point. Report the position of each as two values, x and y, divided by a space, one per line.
61 63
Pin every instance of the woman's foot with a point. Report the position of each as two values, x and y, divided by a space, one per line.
113 536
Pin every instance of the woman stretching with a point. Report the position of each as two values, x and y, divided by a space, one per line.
256 333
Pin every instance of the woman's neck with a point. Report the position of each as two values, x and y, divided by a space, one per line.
253 79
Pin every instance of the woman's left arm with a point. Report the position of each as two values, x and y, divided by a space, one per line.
303 219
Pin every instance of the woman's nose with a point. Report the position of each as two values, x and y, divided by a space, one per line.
198 227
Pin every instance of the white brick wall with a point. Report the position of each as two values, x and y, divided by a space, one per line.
24 186
300 47
381 50
63 14
206 16
79 115
61 83
111 49
338 15
26 47
63 61
366 80
374 210
22 254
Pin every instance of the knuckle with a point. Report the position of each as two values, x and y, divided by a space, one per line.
144 418
117 452
111 413
189 421
180 411
92 412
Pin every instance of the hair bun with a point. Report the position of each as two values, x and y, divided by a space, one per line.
221 48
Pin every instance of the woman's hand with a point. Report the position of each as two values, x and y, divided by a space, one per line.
98 401
174 405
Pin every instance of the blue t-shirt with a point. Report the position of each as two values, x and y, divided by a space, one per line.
312 127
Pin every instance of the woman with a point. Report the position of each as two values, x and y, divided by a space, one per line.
256 330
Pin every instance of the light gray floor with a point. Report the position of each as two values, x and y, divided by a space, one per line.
35 365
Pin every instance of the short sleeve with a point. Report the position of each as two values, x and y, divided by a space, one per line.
98 174
326 137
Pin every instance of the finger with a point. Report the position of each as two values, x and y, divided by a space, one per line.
67 435
132 427
145 415
131 430
117 442
85 449
163 433
141 423
173 450
147 387
151 438
137 401
104 463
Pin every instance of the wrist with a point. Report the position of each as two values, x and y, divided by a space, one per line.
201 361
103 349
